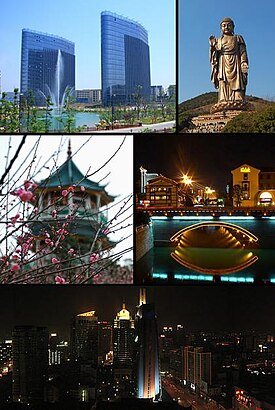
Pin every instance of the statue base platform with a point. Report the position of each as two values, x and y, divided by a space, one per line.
213 122
230 106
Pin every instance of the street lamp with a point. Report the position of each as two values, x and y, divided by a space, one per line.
187 180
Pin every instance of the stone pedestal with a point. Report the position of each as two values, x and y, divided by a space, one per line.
214 122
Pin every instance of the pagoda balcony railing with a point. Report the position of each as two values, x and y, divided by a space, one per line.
89 214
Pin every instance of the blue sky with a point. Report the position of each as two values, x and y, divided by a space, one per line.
254 20
79 21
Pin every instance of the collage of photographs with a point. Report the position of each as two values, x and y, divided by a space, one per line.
137 205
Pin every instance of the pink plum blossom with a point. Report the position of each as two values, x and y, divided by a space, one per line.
15 267
27 185
94 257
64 193
14 219
25 196
55 260
59 280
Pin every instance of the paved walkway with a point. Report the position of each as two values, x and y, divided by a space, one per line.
153 128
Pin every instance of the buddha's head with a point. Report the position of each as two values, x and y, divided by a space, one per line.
227 26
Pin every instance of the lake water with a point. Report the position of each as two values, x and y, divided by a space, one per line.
82 119
88 119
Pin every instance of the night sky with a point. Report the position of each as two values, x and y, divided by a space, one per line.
208 158
225 308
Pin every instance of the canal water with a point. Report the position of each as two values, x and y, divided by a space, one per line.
158 266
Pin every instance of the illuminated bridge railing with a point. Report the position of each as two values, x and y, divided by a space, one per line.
211 212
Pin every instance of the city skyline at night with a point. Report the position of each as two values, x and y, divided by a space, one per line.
205 345
195 307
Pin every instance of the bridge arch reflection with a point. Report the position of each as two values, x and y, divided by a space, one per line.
214 247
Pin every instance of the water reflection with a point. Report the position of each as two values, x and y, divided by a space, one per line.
157 266
214 247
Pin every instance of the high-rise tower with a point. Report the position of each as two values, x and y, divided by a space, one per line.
148 350
125 61
197 366
47 67
123 339
84 338
30 363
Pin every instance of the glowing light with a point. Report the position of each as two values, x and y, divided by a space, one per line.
245 218
192 217
87 314
186 180
220 224
245 169
237 279
209 190
124 314
160 275
193 277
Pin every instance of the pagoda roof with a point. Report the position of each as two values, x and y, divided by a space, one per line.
67 175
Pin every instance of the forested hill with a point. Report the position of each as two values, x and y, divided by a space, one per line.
204 102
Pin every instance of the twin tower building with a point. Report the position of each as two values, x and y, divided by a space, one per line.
48 63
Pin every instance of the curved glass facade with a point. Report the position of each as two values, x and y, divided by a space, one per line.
47 66
125 62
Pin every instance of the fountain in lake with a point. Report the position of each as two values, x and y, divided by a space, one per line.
56 90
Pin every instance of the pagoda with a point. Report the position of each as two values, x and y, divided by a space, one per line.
69 197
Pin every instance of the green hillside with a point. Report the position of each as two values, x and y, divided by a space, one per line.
202 104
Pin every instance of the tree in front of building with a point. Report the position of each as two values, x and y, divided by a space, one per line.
57 230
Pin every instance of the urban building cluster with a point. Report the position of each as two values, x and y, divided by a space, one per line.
104 361
219 370
250 187
129 362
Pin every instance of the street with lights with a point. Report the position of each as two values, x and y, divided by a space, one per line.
185 397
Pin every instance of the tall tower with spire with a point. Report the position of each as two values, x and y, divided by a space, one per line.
142 296
124 331
123 352
148 372
68 197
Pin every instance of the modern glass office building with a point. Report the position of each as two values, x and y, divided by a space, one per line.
125 61
47 66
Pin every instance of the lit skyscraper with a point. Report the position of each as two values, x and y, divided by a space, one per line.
84 338
148 350
47 66
30 363
125 61
197 366
123 342
105 339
